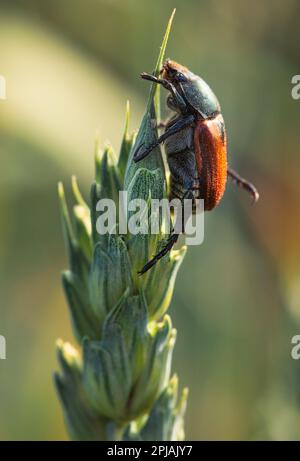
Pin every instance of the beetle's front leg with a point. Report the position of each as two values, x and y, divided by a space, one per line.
242 182
179 125
178 99
162 124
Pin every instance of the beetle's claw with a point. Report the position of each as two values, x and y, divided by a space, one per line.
252 190
255 194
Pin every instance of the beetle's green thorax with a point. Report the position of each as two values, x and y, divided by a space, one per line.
199 95
193 88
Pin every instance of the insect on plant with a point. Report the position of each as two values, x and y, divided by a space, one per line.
195 144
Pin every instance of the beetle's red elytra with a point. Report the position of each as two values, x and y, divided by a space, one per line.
195 143
211 159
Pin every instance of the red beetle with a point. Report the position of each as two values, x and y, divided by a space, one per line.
195 143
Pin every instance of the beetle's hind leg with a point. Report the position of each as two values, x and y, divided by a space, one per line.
173 237
242 182
168 247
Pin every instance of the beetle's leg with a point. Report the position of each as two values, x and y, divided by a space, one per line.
179 125
172 239
168 122
242 182
180 102
168 247
162 124
151 78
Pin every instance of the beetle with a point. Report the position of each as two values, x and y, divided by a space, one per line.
195 143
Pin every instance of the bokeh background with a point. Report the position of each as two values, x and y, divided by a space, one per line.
70 66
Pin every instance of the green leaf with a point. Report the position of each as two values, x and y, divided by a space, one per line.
82 221
77 194
107 175
159 283
110 275
144 185
85 322
95 197
112 365
126 145
156 370
107 376
130 318
69 238
78 261
166 418
82 422
148 130
82 224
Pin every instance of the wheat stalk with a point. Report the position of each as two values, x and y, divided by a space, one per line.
117 385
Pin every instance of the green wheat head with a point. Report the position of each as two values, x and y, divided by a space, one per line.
117 384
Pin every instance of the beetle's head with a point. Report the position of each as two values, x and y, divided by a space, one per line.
174 72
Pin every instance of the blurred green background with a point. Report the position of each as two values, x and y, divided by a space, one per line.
70 66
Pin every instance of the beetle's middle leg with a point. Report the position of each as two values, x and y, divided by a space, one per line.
242 182
172 239
179 125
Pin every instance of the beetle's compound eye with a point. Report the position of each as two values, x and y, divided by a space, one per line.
180 77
